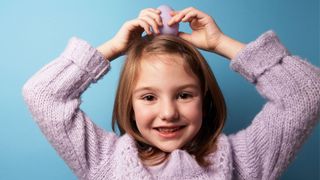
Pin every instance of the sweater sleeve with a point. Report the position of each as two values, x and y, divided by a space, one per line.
53 97
291 87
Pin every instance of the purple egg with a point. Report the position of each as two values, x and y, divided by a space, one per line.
165 15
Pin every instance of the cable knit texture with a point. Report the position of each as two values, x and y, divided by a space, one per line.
263 150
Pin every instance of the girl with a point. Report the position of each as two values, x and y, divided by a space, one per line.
169 108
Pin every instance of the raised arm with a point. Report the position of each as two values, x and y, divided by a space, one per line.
292 89
53 97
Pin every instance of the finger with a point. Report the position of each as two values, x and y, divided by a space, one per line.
156 16
185 36
135 25
152 10
145 26
173 13
149 10
189 16
178 16
139 23
151 22
153 13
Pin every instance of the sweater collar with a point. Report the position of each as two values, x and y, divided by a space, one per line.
179 164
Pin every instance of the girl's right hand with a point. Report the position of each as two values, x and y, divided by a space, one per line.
131 30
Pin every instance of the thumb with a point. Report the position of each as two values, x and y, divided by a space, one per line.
185 36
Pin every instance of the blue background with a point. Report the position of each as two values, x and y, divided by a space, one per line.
33 32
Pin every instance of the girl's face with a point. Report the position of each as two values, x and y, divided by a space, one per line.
167 102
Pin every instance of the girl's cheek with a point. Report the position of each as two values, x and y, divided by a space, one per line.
194 110
143 112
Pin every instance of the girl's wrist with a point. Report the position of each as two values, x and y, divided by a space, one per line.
108 50
228 47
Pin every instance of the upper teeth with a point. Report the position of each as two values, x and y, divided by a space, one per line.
162 129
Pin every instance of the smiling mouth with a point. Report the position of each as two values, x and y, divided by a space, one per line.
169 129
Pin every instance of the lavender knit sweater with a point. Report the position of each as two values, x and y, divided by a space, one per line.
261 151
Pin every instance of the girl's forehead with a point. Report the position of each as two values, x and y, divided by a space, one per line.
172 64
171 59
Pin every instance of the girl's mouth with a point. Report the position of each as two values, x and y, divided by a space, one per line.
169 132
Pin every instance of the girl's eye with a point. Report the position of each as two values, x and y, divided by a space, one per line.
184 96
148 98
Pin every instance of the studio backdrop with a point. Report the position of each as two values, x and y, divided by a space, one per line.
34 32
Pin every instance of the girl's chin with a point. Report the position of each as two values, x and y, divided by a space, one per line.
168 150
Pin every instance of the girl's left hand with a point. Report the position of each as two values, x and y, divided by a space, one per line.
205 32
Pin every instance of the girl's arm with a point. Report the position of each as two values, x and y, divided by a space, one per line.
292 89
53 96
291 86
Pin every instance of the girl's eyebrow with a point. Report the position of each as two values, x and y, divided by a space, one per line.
185 86
191 86
144 89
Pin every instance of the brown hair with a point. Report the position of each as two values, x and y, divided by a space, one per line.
214 108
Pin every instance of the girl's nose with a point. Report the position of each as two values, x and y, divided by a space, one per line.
169 111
